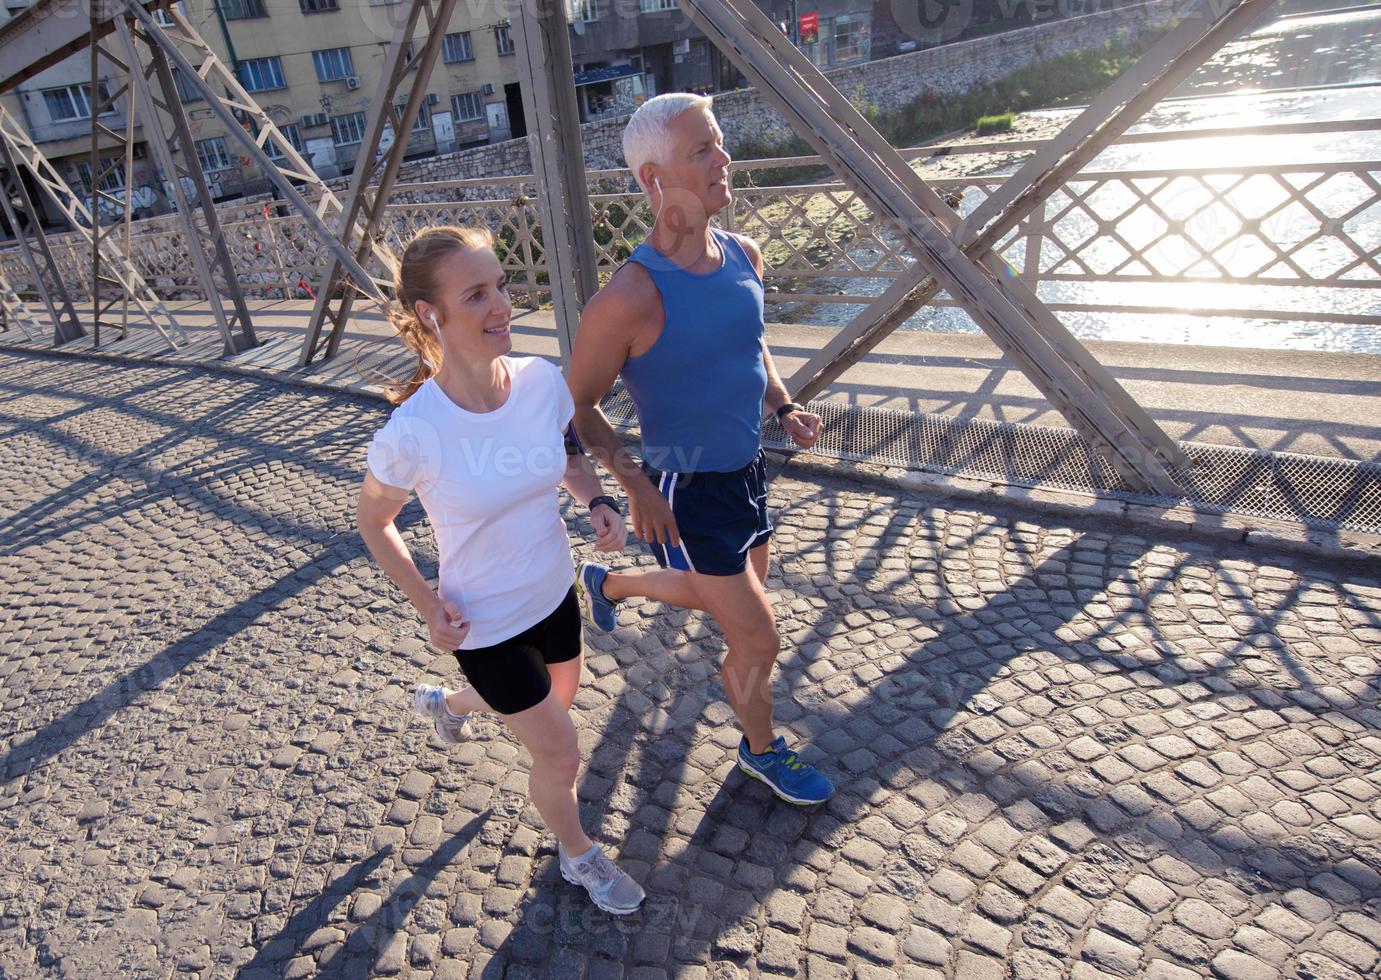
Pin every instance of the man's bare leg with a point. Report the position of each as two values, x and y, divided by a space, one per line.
741 610
673 587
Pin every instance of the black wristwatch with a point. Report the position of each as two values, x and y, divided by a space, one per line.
788 408
609 502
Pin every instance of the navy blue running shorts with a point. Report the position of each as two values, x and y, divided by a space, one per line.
721 517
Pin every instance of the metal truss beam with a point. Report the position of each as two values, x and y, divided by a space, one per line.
104 162
1203 30
47 33
903 201
247 124
24 221
13 311
558 162
18 147
176 157
362 201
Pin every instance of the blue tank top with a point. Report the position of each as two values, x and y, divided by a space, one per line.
699 388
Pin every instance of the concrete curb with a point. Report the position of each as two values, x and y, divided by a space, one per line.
1143 515
1180 521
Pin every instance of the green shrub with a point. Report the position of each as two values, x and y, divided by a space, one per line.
994 124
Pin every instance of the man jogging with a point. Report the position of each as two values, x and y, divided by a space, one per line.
682 322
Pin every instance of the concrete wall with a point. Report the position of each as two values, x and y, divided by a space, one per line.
889 84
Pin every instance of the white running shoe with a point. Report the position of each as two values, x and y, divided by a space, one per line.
611 889
429 701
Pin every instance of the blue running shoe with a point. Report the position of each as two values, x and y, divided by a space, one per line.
788 775
589 589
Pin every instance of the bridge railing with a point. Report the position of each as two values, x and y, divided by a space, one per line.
1285 242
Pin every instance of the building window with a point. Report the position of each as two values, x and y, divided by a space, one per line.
333 64
468 106
74 102
114 179
584 11
456 47
348 129
653 6
162 18
241 9
851 38
503 39
212 155
423 122
186 91
317 6
293 136
262 74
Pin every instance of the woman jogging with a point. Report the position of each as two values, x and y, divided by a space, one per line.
478 436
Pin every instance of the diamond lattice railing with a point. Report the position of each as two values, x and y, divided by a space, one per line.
1306 224
1302 225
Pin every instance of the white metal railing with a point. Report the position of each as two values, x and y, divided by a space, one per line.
1298 241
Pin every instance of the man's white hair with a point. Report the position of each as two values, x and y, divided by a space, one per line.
647 137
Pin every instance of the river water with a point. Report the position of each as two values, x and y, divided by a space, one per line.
1303 65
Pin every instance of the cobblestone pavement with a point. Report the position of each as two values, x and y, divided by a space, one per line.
1063 751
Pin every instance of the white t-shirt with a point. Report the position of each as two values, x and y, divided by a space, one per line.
488 483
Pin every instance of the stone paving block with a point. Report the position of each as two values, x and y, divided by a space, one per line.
979 967
1066 906
1111 954
1350 950
1056 747
1310 906
986 935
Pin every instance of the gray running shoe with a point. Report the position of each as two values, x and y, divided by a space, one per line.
609 888
429 701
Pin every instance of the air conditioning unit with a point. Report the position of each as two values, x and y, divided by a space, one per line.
315 119
433 98
352 81
487 88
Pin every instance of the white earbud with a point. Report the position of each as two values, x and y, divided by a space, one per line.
426 360
660 204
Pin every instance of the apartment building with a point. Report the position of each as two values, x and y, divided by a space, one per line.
314 66
628 50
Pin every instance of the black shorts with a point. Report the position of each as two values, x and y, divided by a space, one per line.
512 675
720 516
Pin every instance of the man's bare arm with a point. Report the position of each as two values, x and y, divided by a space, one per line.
802 427
608 326
777 395
601 348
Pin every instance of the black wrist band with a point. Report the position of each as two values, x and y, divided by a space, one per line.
788 408
609 502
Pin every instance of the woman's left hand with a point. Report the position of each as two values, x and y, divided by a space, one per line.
611 534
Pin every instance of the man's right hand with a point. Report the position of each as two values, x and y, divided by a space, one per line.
652 518
446 626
